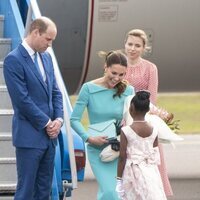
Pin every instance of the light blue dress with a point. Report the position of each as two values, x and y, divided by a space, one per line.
101 107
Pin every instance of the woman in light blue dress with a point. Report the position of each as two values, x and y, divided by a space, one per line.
104 99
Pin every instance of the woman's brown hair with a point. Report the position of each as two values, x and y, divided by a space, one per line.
116 57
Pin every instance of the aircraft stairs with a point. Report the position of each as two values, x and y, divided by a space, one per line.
7 153
70 151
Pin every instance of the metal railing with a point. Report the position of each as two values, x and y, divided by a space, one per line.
34 12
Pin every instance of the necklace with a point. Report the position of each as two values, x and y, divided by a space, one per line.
140 121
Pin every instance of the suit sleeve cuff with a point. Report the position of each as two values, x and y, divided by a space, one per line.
47 123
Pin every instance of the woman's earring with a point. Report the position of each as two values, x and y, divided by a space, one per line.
105 71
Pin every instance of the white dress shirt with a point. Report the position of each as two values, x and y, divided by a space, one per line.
31 52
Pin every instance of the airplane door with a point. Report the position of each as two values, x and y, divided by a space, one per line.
71 18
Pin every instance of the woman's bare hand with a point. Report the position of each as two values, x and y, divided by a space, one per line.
98 140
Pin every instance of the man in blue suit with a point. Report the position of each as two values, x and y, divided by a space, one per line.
38 110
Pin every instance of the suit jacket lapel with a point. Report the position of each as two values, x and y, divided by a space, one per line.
33 67
46 70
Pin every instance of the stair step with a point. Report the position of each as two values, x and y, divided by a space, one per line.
1 25
5 102
6 112
5 134
5 137
5 47
7 197
8 167
3 88
2 80
6 120
7 148
7 161
7 188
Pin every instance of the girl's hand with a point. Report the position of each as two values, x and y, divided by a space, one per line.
99 140
119 189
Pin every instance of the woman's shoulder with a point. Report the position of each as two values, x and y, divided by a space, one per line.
129 90
92 87
148 63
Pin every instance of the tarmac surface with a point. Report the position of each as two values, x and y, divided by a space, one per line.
183 166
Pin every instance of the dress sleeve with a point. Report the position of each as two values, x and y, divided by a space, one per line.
153 84
126 115
76 116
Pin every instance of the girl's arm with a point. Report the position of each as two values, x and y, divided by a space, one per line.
122 155
155 144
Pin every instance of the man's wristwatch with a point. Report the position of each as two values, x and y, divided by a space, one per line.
60 120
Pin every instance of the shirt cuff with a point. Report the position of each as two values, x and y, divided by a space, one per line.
47 123
60 119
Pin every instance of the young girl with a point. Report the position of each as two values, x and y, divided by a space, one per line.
138 177
143 75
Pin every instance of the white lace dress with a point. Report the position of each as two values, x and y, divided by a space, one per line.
141 177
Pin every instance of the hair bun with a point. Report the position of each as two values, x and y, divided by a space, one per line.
143 95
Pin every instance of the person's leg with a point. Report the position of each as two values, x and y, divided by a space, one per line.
45 175
163 173
105 173
27 161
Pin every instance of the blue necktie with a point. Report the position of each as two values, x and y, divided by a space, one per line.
37 65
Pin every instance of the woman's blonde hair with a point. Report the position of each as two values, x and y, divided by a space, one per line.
141 34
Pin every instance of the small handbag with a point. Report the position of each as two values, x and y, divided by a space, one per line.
106 128
109 129
109 153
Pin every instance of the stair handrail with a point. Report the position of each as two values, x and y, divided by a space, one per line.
34 11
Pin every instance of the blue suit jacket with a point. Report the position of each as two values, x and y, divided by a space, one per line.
34 101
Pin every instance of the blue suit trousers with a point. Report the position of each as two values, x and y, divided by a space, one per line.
35 172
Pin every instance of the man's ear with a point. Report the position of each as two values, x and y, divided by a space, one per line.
35 31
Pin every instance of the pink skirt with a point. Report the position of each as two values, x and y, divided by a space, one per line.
163 173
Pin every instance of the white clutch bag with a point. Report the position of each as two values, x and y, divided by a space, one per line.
107 154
